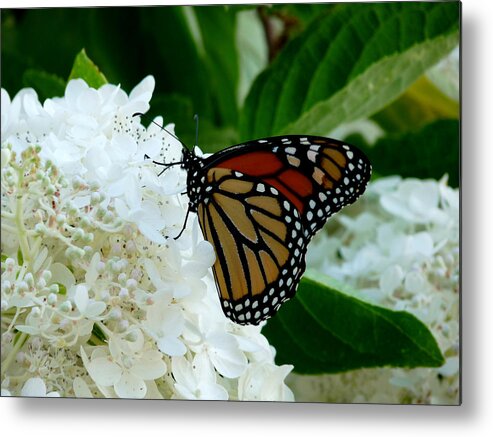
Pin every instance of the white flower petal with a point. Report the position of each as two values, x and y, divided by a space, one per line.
391 278
226 356
81 298
62 275
81 389
34 387
104 371
182 372
211 391
130 387
94 309
152 233
151 366
171 346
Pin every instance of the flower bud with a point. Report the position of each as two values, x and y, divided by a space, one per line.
29 279
74 253
78 234
115 314
9 263
71 208
61 219
100 212
131 284
77 183
46 275
52 298
40 228
66 306
85 222
94 186
123 325
35 312
95 198
88 237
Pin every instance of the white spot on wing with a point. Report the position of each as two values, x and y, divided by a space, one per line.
312 156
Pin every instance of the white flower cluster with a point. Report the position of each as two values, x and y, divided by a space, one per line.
95 300
399 247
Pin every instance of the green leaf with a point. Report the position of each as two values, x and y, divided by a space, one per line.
84 68
62 290
98 333
213 138
252 50
47 85
325 329
217 28
20 257
348 65
428 153
301 13
178 67
422 103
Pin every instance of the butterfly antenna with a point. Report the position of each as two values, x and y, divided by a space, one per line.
140 114
196 118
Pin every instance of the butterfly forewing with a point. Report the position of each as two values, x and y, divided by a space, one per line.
318 175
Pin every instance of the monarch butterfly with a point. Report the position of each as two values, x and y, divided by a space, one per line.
259 204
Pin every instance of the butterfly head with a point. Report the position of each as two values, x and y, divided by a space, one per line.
193 165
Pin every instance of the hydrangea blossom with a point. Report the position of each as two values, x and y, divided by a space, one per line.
399 247
96 301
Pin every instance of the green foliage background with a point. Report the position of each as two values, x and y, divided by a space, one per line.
327 66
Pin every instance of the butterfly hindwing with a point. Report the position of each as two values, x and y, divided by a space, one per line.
258 239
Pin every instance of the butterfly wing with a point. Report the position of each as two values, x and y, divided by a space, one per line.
318 175
258 239
260 204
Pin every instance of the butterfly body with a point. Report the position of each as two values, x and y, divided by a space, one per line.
260 203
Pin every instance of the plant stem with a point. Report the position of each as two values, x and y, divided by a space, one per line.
19 220
11 356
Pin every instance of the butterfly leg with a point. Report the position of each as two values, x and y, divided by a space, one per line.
184 225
